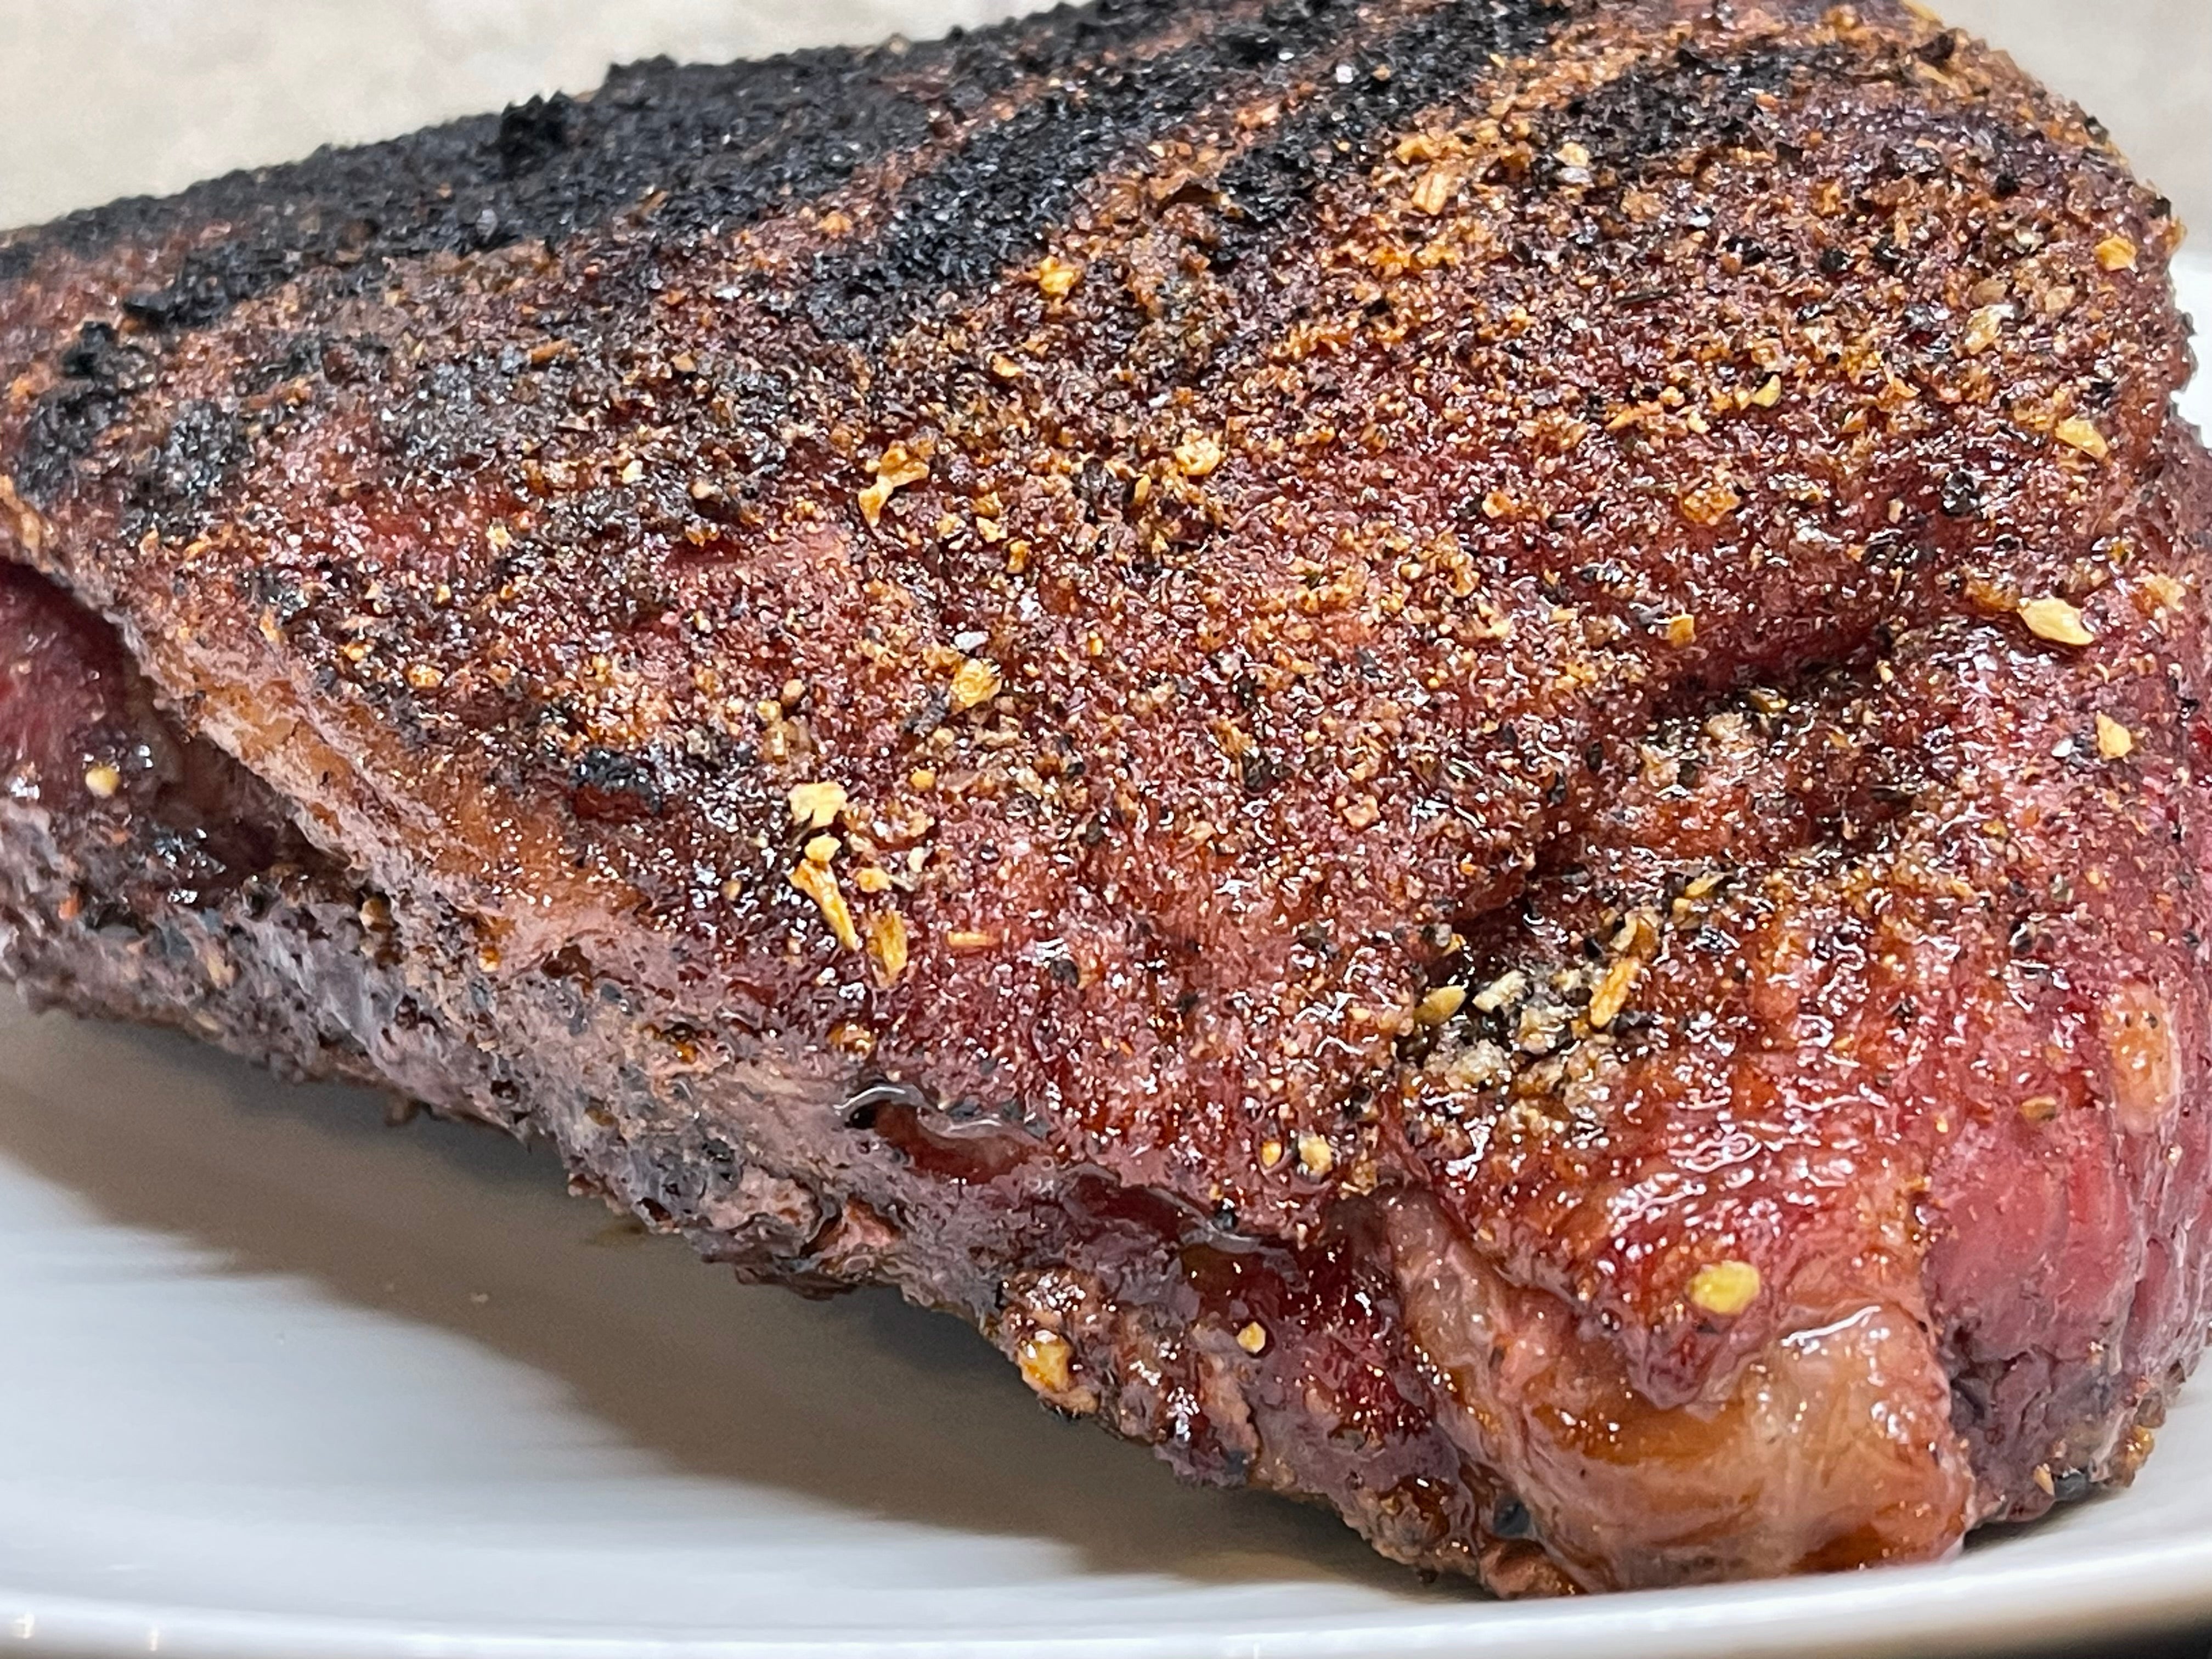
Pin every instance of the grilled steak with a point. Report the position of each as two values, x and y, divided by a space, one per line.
1451 748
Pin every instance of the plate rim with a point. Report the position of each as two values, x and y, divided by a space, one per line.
2116 1592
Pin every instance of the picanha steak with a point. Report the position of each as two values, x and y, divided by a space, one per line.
1452 747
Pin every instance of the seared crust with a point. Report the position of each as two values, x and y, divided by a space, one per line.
1229 521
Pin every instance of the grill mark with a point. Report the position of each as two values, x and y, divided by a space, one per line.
728 145
734 142
553 164
1668 115
1435 60
987 208
1429 61
1662 113
1657 114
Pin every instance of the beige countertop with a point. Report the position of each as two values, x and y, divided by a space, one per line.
111 97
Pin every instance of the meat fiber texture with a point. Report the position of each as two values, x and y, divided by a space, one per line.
1451 749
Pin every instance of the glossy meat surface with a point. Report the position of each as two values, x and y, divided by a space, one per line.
1452 748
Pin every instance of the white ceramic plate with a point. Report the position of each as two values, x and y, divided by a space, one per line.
276 1380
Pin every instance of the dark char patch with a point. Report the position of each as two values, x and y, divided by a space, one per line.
1427 61
727 144
1662 114
608 786
99 372
988 205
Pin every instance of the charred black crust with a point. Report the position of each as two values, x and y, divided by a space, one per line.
726 144
985 208
99 373
713 148
615 787
1427 61
1684 106
722 145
